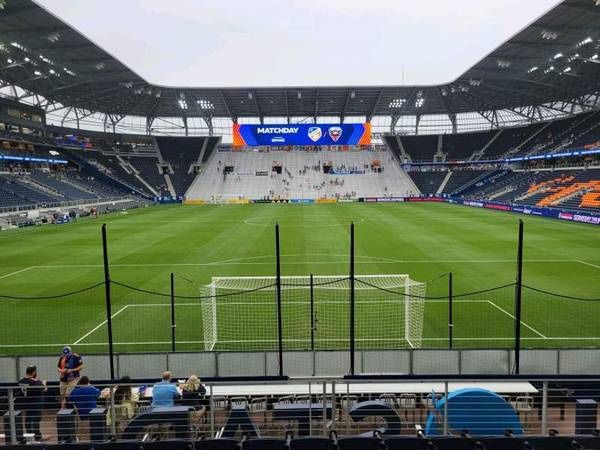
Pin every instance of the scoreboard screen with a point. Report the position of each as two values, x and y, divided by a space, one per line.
302 134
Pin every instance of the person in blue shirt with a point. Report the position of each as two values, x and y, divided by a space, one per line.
84 397
164 393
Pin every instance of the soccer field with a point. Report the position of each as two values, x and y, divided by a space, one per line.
197 243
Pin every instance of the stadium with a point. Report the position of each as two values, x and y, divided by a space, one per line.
404 265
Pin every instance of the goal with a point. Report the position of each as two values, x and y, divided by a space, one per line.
240 313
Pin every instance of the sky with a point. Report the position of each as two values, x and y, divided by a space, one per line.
217 43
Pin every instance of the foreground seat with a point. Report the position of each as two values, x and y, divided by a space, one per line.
408 443
455 443
359 443
118 446
264 444
168 445
554 443
311 443
504 443
216 444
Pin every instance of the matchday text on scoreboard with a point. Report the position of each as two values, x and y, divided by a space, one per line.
302 134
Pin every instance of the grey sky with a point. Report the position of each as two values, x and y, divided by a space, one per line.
298 43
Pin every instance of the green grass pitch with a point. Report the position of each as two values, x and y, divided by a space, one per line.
200 242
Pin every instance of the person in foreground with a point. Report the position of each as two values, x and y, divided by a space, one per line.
69 370
84 397
32 400
164 393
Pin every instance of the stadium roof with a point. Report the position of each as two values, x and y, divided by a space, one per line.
552 62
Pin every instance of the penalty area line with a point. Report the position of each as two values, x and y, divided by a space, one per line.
587 263
16 272
100 325
514 318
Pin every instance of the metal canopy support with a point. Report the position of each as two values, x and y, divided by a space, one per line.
375 105
184 119
209 124
149 122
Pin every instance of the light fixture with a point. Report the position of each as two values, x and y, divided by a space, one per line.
587 40
26 59
10 60
533 69
397 103
557 56
567 69
549 35
205 104
37 73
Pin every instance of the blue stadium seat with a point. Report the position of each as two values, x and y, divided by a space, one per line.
216 444
408 443
168 445
359 443
311 443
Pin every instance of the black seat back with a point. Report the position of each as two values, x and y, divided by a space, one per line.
454 443
216 444
408 443
551 442
359 443
264 444
311 443
168 445
502 443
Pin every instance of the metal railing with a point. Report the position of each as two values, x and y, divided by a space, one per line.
191 409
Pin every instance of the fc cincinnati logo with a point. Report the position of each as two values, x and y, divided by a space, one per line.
314 133
335 133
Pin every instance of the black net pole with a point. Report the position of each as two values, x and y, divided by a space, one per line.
278 294
450 318
173 312
518 292
352 348
312 315
108 303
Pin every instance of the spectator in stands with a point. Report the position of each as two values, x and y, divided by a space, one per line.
84 397
164 392
31 401
193 392
70 365
124 398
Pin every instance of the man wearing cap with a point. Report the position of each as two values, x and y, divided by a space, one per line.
69 368
31 401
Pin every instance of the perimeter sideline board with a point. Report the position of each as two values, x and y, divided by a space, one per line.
302 134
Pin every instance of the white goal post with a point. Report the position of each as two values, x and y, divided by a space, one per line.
240 313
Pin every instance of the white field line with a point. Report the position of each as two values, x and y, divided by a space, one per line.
91 344
343 302
219 263
100 325
588 264
513 317
17 272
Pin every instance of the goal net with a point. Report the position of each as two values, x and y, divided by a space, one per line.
240 313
